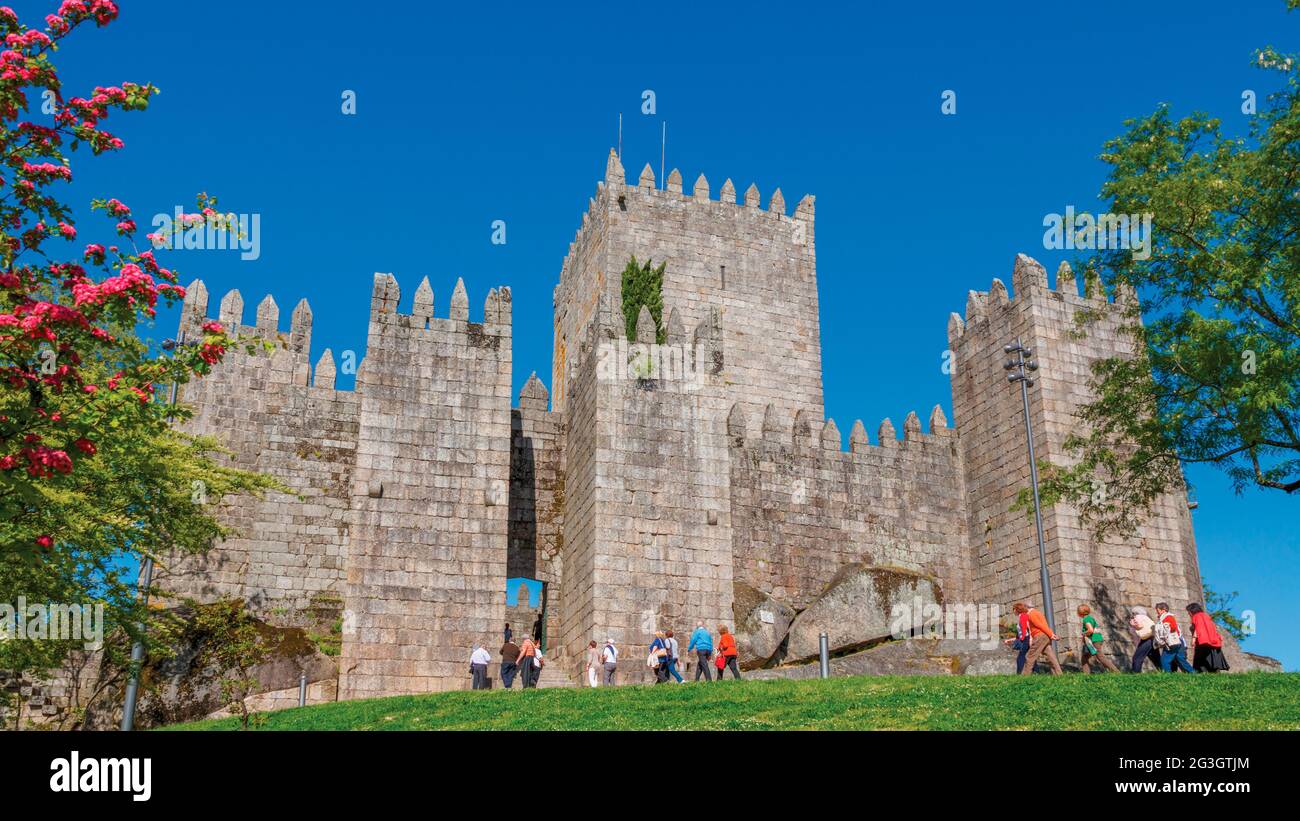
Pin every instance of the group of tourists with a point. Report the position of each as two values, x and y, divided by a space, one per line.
525 660
665 652
1160 641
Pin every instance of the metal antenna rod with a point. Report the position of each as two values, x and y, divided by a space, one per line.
663 151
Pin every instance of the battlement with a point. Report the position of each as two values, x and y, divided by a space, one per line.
386 294
1029 280
615 190
807 433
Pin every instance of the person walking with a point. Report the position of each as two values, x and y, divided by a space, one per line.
593 663
509 662
1040 642
609 661
539 661
727 648
508 633
673 649
1092 639
537 630
1144 629
527 658
478 664
701 644
1207 644
1021 642
658 658
1173 650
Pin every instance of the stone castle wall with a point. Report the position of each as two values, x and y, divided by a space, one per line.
286 552
803 508
427 563
662 475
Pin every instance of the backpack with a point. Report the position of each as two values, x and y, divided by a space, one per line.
1165 637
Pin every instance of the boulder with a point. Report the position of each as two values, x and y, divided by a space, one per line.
761 625
1240 661
857 608
922 656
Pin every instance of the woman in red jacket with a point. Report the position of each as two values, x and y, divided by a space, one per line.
1207 639
727 650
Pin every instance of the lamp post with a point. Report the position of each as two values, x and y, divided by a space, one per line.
1018 369
145 583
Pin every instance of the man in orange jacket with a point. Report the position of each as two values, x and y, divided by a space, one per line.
1040 640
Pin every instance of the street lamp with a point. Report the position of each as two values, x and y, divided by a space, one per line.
144 585
1018 369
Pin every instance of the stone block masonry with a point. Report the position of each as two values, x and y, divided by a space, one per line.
655 480
430 494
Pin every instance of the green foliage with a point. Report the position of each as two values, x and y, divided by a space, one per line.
643 285
1226 702
1217 378
236 644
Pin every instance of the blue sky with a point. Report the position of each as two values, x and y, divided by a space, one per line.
470 115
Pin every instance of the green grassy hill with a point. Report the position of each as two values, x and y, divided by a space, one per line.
1152 701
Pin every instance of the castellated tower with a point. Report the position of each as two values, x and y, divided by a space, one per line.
757 267
399 491
1159 562
430 494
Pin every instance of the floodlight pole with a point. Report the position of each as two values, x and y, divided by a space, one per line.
1016 372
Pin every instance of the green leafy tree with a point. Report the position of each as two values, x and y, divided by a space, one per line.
1216 378
643 285
234 641
94 476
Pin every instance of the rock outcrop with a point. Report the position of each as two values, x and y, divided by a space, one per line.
857 609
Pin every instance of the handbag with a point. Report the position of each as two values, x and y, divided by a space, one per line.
720 662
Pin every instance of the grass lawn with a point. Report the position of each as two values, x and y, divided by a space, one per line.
1151 701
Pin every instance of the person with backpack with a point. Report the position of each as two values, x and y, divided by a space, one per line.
1092 639
702 645
1173 650
1040 642
509 663
1021 642
727 652
609 661
658 658
1207 644
673 649
527 659
1144 629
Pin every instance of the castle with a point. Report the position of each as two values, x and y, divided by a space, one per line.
656 479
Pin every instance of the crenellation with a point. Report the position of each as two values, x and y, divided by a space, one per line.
776 204
232 309
268 315
674 182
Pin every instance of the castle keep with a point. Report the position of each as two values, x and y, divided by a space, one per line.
657 484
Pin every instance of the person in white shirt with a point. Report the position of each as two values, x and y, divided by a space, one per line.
478 664
609 660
